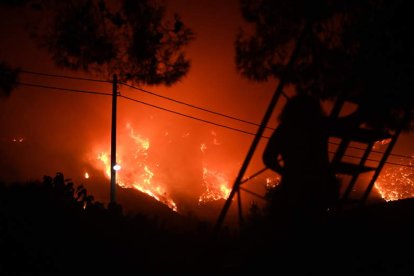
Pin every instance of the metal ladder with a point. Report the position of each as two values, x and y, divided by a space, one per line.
355 133
347 134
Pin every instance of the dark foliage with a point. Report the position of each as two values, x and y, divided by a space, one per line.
51 227
8 79
375 240
131 38
13 3
361 49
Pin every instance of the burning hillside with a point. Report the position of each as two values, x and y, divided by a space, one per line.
180 172
147 170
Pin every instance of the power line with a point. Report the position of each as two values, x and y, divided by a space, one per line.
62 76
373 160
180 102
395 154
64 89
374 151
401 165
239 130
171 99
193 106
189 116
253 175
252 193
148 92
184 103
138 101
168 110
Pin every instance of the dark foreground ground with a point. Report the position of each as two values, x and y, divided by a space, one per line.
52 228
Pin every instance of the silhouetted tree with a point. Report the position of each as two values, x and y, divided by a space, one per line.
13 3
361 49
8 79
131 38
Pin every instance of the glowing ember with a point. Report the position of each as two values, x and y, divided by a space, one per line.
215 141
396 182
203 148
139 140
86 175
216 184
380 143
20 140
272 182
104 158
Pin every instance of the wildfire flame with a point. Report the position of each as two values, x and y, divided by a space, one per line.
141 172
216 185
136 172
395 182
381 143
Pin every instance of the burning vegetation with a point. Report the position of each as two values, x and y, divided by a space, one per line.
140 170
396 180
154 165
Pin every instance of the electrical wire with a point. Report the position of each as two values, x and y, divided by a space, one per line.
373 160
64 89
62 76
176 101
374 151
189 116
168 110
138 101
193 106
235 129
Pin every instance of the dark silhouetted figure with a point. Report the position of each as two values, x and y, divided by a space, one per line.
298 151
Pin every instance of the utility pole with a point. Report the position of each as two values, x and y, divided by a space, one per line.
113 138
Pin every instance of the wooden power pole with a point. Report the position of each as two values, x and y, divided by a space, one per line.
113 138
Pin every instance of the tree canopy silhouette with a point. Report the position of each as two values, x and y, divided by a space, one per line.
133 39
360 49
8 79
